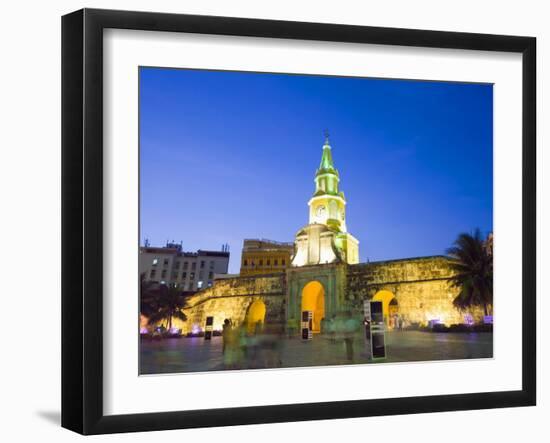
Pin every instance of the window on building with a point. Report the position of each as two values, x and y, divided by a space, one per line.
283 262
192 276
202 264
185 264
245 263
261 262
190 286
153 273
276 262
165 262
211 265
199 284
155 261
268 263
210 275
209 284
201 275
183 275
174 275
177 264
163 275
194 266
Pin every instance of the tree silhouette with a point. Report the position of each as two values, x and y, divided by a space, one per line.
473 264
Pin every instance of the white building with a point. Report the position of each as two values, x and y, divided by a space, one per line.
191 271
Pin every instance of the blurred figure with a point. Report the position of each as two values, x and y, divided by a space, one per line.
226 332
292 327
331 329
350 327
366 323
270 345
243 342
253 346
230 346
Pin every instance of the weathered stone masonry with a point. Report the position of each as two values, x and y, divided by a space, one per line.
420 287
231 298
325 278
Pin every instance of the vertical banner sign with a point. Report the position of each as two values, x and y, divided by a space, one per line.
376 331
307 325
367 323
208 328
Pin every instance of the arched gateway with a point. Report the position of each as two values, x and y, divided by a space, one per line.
255 316
313 299
319 289
390 307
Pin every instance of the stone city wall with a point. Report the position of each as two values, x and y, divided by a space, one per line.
420 286
231 298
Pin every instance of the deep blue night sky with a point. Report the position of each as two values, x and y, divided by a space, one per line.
227 156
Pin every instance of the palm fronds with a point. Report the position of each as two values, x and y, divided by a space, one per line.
473 266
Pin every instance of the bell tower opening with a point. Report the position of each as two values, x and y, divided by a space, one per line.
313 299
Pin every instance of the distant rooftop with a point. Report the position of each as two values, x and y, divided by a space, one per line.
177 248
263 243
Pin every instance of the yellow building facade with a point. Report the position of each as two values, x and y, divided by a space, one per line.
260 256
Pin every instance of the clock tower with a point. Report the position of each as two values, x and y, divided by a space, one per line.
325 239
328 204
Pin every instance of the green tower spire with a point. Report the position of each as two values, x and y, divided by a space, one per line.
326 177
327 165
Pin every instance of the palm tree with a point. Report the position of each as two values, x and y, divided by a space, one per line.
473 266
169 305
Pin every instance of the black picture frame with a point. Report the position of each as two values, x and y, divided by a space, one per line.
82 218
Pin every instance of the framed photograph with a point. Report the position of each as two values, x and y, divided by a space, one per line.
268 221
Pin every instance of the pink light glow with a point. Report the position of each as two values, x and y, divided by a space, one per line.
469 319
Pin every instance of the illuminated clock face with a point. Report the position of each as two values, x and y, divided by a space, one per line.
321 211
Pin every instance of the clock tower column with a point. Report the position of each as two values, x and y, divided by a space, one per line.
325 238
328 204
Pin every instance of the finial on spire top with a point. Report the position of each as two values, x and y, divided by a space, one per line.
326 133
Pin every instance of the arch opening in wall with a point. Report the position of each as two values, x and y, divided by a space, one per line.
255 316
393 313
313 299
390 306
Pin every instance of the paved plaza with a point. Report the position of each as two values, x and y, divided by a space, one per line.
196 354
